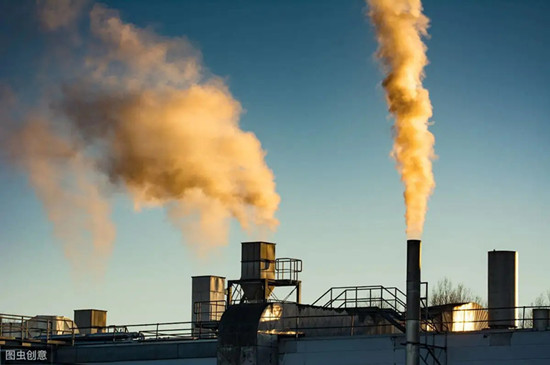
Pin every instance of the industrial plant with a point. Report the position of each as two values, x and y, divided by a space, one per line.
242 321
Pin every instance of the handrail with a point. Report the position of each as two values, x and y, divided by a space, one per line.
454 319
209 310
40 329
340 294
287 268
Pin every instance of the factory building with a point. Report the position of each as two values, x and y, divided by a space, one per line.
241 321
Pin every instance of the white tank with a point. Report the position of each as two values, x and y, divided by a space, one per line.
207 297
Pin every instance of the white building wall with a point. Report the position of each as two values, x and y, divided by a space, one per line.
479 348
490 347
343 350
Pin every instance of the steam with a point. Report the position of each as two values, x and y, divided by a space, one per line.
142 116
400 25
60 175
58 14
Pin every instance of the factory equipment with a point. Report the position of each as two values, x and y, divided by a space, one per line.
502 288
261 272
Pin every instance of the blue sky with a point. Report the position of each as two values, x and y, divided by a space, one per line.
306 76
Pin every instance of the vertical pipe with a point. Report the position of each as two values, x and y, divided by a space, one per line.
229 299
413 301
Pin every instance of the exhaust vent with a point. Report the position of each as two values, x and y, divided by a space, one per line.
258 268
90 321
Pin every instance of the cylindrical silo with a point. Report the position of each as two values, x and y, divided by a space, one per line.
502 288
541 318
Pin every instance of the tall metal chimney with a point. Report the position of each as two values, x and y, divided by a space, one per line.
414 248
502 288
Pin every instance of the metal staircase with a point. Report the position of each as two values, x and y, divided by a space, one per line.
390 304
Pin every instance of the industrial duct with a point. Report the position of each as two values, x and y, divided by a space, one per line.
90 321
257 268
413 301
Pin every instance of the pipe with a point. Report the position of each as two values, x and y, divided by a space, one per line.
414 248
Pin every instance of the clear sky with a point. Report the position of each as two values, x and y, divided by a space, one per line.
305 74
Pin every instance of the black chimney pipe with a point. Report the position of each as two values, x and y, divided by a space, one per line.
414 248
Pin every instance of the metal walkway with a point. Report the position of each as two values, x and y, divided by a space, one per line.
390 303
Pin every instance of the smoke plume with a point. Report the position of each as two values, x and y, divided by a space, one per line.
141 115
60 175
400 26
59 14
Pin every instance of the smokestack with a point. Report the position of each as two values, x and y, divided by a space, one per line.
502 288
413 301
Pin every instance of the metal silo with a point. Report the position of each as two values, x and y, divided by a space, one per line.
502 288
207 298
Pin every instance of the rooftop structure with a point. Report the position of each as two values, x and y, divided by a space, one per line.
242 322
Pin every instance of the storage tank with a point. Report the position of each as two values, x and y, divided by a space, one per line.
207 298
502 288
541 319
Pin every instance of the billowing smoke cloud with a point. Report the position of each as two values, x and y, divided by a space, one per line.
59 14
143 116
61 176
400 26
